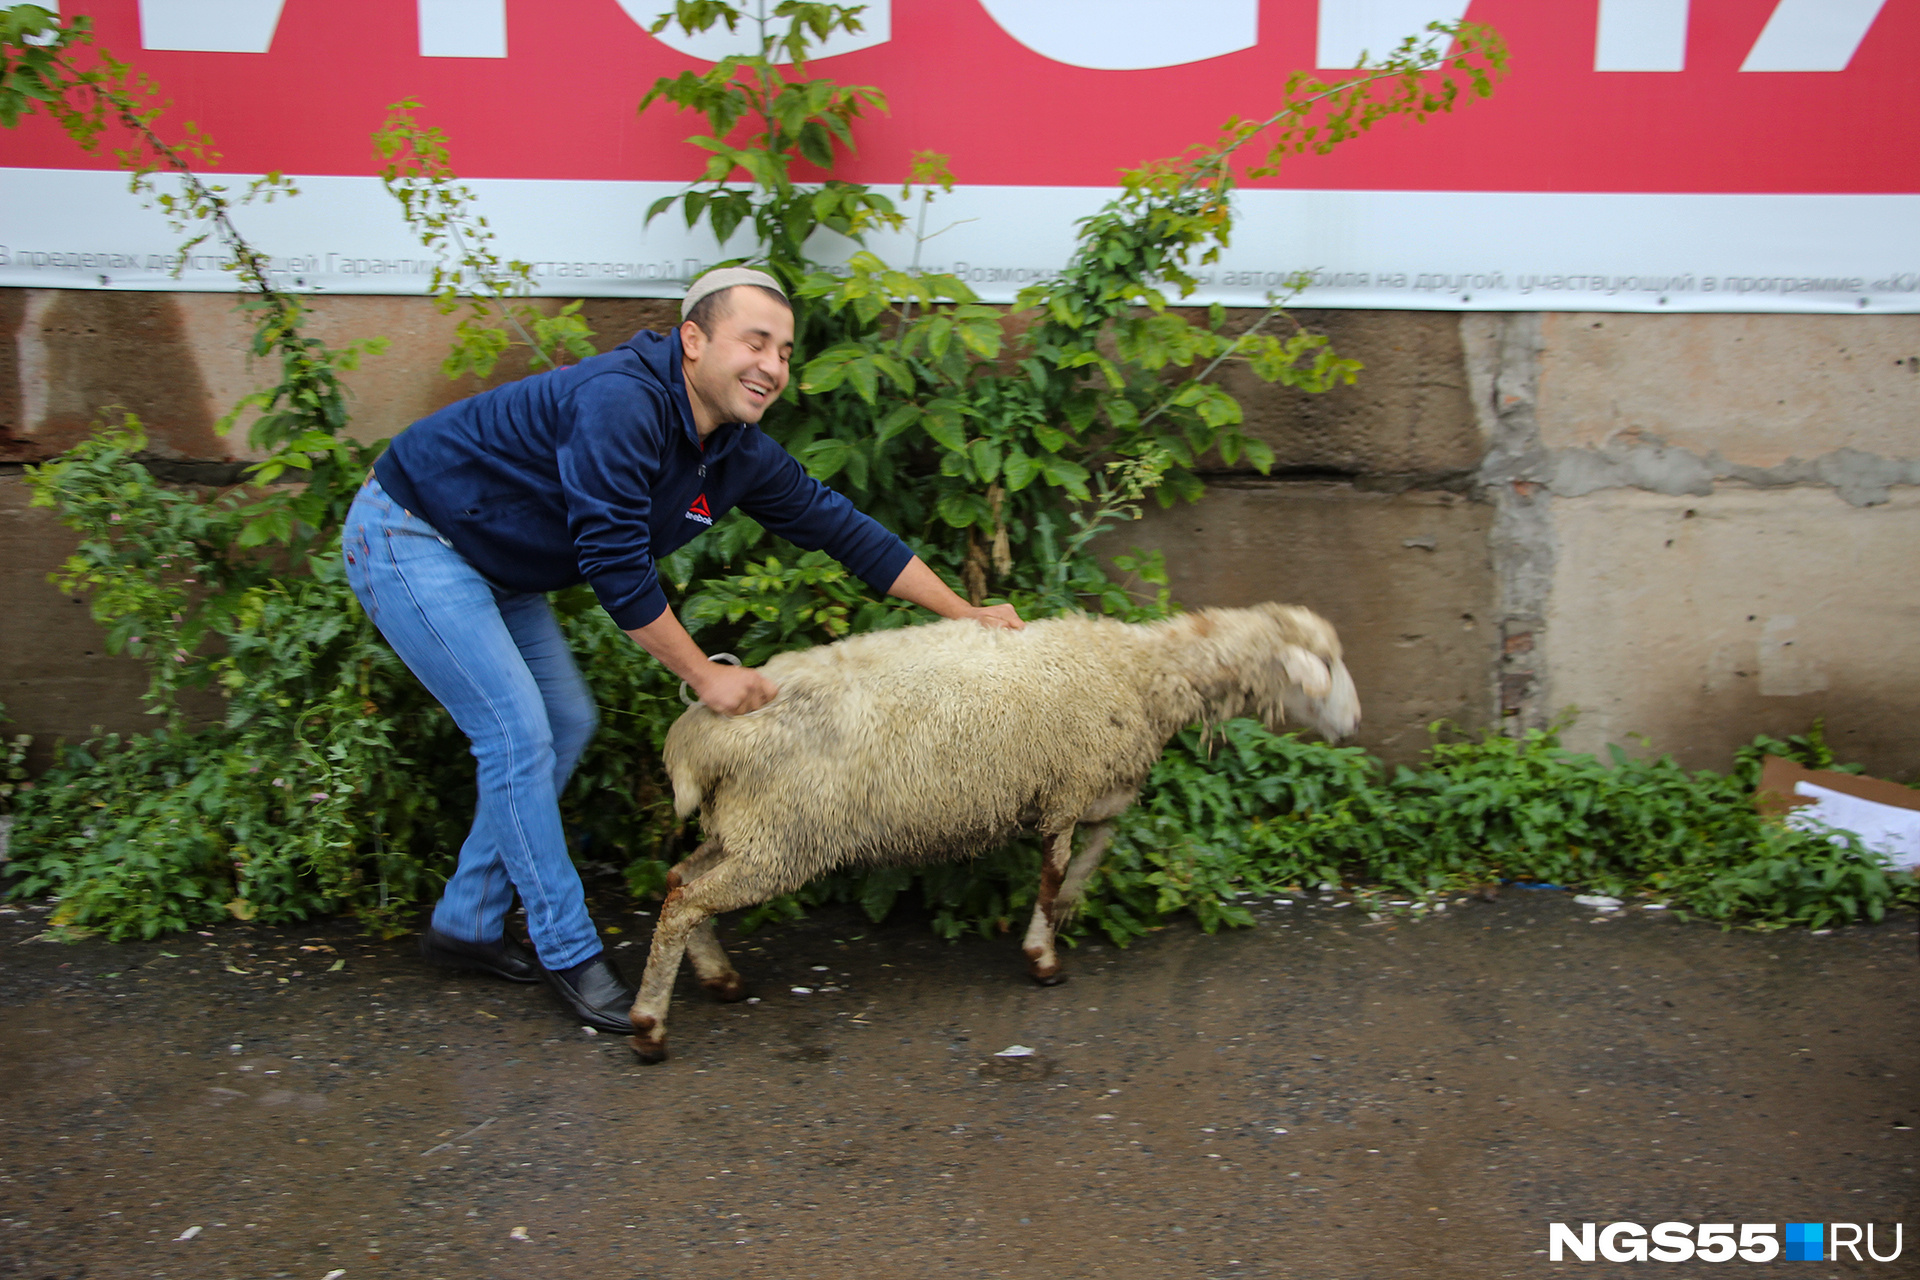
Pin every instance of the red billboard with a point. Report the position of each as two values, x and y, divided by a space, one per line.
1749 98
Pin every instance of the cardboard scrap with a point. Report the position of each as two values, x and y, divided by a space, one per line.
1885 815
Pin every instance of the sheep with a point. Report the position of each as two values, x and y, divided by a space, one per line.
940 742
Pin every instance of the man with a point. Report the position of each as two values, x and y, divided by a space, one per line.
585 473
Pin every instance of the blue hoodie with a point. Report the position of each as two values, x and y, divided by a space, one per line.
593 471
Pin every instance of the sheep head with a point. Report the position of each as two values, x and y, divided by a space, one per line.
1279 662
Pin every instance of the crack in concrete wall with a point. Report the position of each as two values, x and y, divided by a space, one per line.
1646 462
1503 371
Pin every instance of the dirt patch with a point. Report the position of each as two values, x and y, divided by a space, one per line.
1322 1095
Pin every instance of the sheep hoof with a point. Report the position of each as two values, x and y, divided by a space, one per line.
728 989
647 1046
1043 966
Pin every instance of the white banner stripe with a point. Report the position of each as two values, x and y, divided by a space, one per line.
1465 251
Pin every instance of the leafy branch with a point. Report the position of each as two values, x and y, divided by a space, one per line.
300 420
1424 75
788 120
418 173
1112 296
304 800
917 398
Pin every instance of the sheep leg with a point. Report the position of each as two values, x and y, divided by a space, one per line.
726 886
696 864
1043 962
649 1012
711 965
1081 869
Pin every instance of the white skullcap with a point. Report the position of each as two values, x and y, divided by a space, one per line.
726 278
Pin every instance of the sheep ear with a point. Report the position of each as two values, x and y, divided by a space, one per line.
1306 670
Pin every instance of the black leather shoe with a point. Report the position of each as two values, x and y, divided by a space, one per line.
502 959
595 994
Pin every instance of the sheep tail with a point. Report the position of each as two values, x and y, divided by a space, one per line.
688 792
690 769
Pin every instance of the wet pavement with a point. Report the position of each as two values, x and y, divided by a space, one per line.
1321 1096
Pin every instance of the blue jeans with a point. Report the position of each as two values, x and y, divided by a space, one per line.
497 661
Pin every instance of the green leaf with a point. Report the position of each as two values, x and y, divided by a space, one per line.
1063 474
1217 408
960 509
856 466
895 369
725 216
829 369
1184 485
1080 411
816 144
982 337
1020 470
274 524
945 425
898 420
879 890
985 455
939 332
823 459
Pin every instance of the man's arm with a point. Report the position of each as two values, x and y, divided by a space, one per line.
607 460
920 585
801 509
734 691
731 691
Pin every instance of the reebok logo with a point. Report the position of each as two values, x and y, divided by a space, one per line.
699 511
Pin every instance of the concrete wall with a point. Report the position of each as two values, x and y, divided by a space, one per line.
1679 531
56 677
1694 528
1704 527
179 361
1404 577
1369 517
1701 621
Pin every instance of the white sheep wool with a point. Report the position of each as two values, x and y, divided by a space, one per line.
939 742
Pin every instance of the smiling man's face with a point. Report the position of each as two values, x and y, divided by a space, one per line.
734 373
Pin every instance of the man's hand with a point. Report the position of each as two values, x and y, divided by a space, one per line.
734 691
997 617
920 585
731 691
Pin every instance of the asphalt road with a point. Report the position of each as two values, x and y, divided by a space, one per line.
1320 1096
